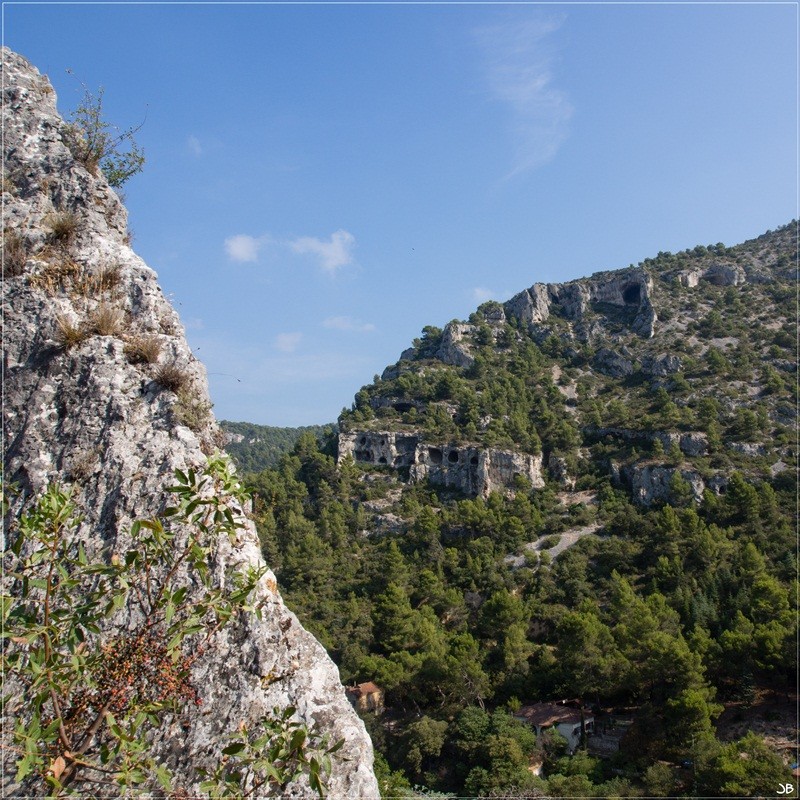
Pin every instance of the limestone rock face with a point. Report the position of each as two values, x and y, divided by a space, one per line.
662 365
629 290
531 306
453 349
749 449
650 483
94 414
472 470
612 363
693 443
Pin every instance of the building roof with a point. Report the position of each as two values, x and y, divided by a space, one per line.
547 714
364 688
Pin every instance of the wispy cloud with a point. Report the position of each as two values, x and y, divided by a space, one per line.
243 247
332 254
288 342
347 324
193 324
519 58
195 148
480 294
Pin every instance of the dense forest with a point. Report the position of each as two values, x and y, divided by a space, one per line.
255 447
666 616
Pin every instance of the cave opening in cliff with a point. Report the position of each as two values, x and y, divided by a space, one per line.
402 407
452 456
474 461
632 294
435 455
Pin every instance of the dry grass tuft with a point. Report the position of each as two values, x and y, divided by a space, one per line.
15 255
7 184
82 466
143 349
69 335
106 320
171 377
55 274
93 284
62 226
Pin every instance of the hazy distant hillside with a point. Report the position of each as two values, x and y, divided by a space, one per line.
256 447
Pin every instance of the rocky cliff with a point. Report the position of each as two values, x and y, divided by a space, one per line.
103 394
473 470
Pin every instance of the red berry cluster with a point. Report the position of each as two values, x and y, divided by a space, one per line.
136 670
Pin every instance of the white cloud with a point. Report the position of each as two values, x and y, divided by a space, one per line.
332 254
243 247
519 62
347 324
193 324
480 294
288 342
195 148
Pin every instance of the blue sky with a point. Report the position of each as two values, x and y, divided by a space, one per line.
322 181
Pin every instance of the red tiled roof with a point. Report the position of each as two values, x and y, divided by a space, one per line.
364 688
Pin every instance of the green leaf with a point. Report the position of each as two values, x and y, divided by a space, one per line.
24 767
164 778
234 749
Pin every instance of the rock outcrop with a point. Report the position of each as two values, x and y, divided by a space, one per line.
653 483
102 392
624 290
453 349
472 470
693 443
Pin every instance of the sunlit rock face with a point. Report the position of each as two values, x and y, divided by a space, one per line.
94 414
473 470
628 291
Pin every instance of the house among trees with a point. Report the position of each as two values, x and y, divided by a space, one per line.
569 722
366 697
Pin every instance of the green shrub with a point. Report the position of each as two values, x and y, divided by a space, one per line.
99 145
94 690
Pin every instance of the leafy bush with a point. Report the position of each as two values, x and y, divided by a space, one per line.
270 759
99 145
95 689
